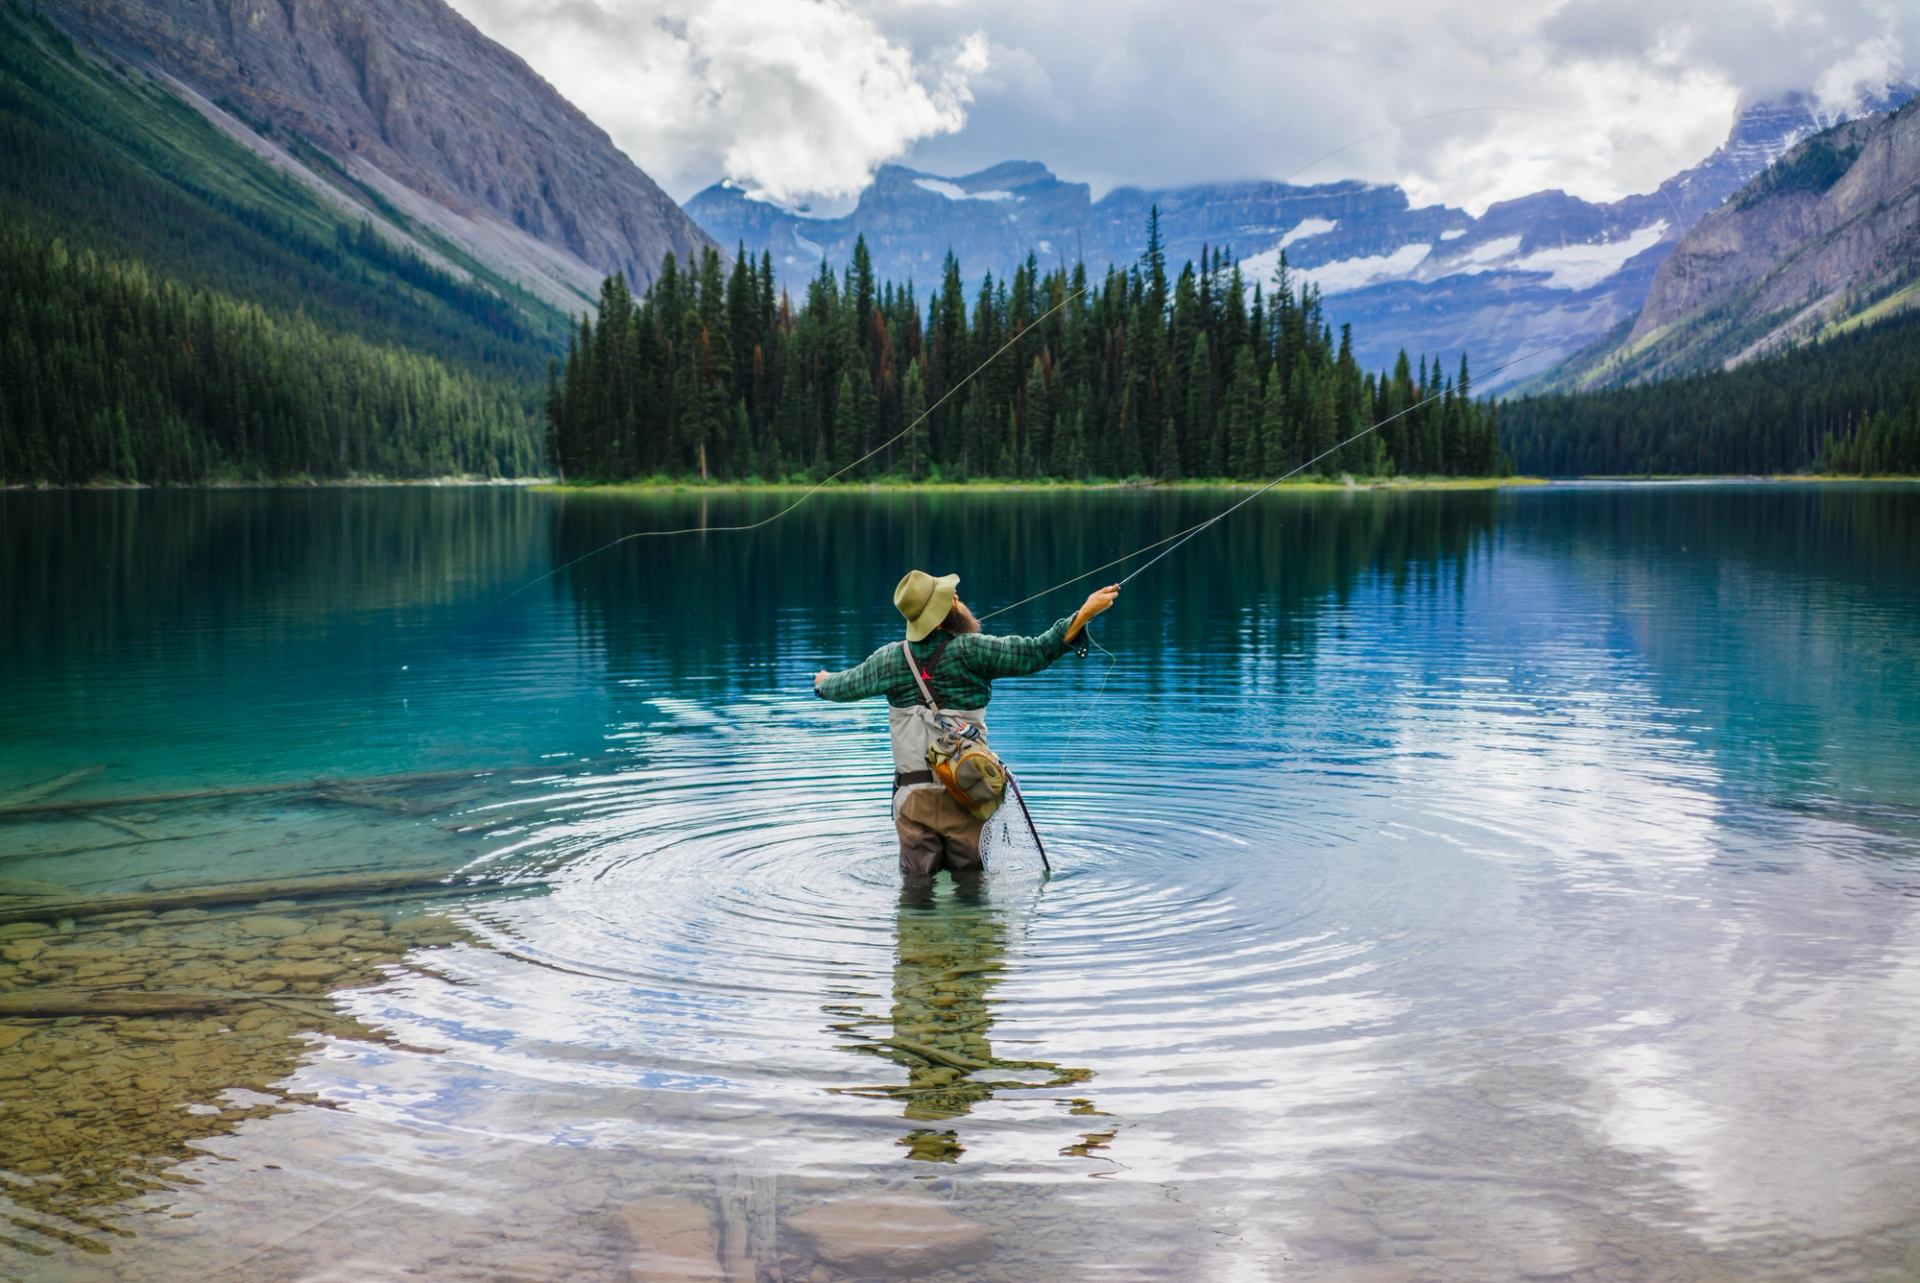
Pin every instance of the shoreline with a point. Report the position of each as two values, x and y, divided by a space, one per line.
1003 486
282 483
661 486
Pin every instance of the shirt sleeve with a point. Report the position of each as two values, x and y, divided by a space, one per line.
992 657
871 676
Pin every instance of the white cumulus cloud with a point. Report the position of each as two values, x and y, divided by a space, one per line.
793 98
1462 101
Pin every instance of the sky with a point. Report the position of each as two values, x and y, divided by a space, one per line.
1459 101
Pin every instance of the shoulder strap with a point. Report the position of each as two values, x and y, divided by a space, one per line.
921 675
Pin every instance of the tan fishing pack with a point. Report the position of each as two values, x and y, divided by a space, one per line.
957 752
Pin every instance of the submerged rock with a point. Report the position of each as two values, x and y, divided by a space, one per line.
892 1233
670 1240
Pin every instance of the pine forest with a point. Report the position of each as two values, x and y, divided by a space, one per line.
713 373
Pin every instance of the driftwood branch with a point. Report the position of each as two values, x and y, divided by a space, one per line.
232 893
39 805
46 788
54 852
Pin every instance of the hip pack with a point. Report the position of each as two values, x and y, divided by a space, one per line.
957 751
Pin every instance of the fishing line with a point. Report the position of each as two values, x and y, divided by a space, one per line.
1180 537
1113 662
1173 541
1067 298
944 397
811 491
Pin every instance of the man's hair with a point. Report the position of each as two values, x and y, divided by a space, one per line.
960 619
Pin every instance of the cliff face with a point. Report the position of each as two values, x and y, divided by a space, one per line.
1829 235
413 102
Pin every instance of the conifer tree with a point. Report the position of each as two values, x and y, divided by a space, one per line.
913 405
1244 408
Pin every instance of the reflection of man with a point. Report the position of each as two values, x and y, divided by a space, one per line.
951 949
960 663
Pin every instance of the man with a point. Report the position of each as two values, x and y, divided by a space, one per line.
960 663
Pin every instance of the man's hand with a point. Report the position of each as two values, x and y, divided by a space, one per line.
1098 602
819 677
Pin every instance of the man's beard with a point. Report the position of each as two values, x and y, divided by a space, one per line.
960 619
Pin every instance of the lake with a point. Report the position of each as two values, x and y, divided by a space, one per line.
1464 885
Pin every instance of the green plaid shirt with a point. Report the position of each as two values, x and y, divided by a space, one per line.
964 676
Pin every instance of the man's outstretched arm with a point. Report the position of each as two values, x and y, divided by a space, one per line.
871 676
1020 656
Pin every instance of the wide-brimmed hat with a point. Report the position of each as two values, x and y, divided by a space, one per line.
924 601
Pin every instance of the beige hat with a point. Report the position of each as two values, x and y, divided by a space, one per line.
924 601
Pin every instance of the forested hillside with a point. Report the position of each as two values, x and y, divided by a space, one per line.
109 371
1850 403
714 373
180 310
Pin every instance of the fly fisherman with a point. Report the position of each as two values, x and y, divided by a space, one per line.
951 674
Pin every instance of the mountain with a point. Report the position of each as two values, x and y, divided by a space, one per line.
179 307
1827 238
415 121
1532 273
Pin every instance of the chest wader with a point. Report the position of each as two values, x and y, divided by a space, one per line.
936 830
956 752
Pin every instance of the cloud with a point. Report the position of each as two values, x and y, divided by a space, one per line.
792 97
1463 101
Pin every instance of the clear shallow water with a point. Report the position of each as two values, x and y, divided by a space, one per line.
1448 885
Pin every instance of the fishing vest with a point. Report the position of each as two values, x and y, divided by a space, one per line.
943 748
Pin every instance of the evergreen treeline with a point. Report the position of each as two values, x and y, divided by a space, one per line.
714 373
110 372
1850 403
1886 443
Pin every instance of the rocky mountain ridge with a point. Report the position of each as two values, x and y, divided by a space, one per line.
1540 273
1826 238
435 133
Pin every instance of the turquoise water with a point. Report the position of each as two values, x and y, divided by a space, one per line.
1448 885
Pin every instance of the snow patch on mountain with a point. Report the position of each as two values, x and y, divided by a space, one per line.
1307 227
1341 274
953 191
1579 267
1484 257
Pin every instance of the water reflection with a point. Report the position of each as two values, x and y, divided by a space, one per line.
1449 886
951 948
730 614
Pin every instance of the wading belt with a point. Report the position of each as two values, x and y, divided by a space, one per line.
901 779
